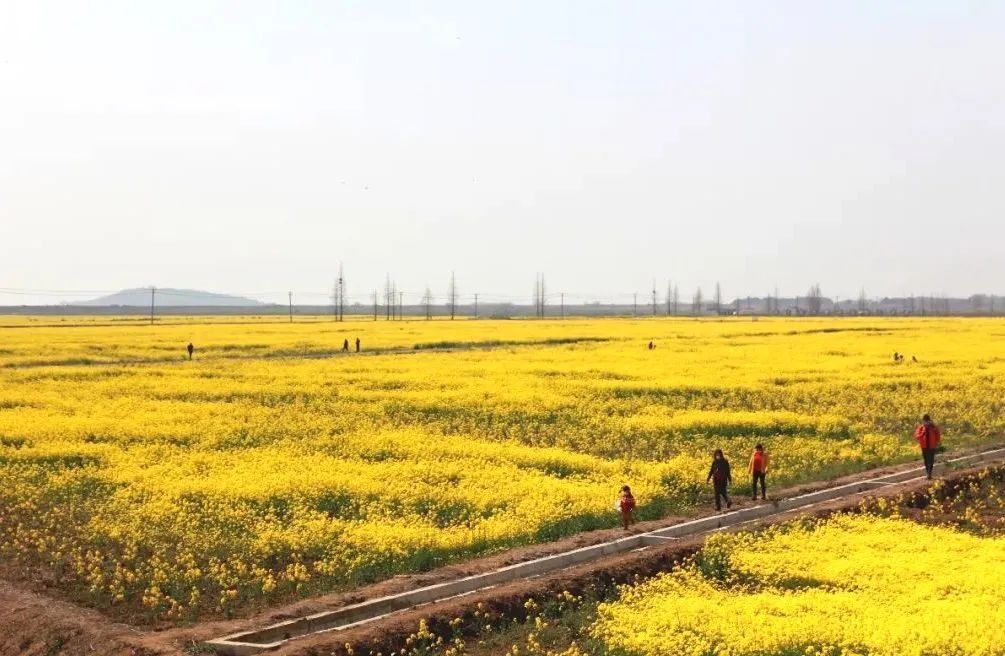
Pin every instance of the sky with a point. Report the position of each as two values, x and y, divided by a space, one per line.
250 147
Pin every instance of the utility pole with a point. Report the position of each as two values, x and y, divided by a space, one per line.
374 304
291 306
153 292
562 314
635 304
401 304
654 298
476 306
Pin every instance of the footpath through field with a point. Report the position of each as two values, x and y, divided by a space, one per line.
358 614
319 354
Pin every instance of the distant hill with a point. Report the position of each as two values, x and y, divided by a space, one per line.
168 297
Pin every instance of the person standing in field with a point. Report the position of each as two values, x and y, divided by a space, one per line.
345 345
190 349
758 468
719 474
929 437
626 506
357 344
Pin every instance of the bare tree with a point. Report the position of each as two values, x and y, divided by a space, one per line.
676 299
696 303
340 286
452 295
387 298
539 295
863 302
427 300
669 298
718 298
335 300
814 299
977 303
544 295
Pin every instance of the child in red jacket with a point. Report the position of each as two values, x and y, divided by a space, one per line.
626 505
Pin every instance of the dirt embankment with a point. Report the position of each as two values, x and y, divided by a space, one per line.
35 619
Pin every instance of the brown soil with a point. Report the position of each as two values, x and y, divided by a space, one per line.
35 618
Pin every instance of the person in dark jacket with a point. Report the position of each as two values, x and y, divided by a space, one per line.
719 474
190 348
345 346
929 437
357 344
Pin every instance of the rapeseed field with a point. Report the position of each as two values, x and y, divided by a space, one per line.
851 585
251 474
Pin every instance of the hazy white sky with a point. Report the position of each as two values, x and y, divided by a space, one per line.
250 146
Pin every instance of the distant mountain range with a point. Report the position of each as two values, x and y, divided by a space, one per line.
168 297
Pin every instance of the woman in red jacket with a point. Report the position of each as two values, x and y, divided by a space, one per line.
928 436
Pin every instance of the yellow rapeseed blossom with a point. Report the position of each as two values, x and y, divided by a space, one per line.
850 585
250 473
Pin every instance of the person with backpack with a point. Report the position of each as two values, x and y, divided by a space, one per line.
626 506
758 468
719 474
928 436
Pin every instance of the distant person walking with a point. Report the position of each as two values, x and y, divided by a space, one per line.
651 346
758 468
719 474
345 346
626 506
929 437
190 349
357 344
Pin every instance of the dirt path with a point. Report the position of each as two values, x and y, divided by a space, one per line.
320 354
35 619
